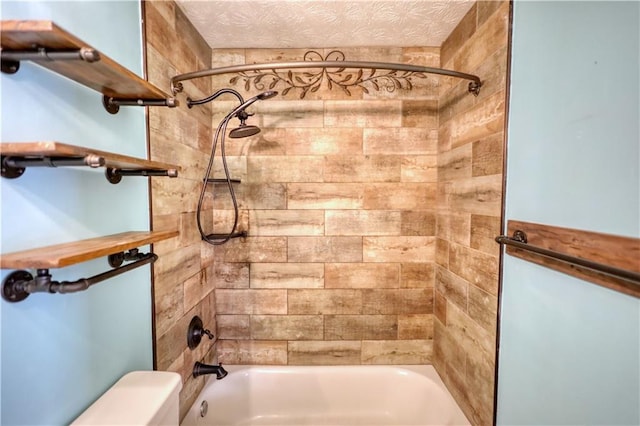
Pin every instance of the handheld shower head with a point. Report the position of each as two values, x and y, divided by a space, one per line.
267 95
243 131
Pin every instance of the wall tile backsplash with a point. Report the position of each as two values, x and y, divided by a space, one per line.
370 216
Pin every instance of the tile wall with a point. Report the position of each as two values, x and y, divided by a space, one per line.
470 155
183 284
338 196
370 214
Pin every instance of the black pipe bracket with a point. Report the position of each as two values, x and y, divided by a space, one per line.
18 285
11 58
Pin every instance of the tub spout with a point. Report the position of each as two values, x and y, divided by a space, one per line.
200 369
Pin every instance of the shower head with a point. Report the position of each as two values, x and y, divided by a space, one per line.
243 131
267 95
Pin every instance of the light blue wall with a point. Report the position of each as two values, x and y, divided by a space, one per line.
60 352
570 350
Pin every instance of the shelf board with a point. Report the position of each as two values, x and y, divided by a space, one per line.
57 149
61 255
105 76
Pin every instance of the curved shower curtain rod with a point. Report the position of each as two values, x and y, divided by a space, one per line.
340 65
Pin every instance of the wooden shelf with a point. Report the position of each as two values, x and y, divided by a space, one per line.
103 75
606 251
36 150
61 255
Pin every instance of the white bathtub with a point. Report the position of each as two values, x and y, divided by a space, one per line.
327 396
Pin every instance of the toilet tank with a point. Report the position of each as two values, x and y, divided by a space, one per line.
138 398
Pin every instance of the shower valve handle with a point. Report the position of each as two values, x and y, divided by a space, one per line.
207 333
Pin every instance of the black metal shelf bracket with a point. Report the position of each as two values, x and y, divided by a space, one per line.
18 285
11 64
11 58
115 175
112 105
13 166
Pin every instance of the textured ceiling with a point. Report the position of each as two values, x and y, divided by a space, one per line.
317 24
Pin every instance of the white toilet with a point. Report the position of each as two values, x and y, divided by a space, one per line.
138 398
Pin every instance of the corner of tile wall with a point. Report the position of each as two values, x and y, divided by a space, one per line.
470 176
182 275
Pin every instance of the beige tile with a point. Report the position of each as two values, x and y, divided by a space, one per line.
286 222
420 113
231 275
325 196
396 352
479 379
484 230
287 275
321 141
362 113
326 302
398 249
479 195
324 249
361 327
265 302
440 307
171 196
460 228
290 114
358 168
471 337
362 222
417 275
487 155
487 8
489 37
474 266
419 168
418 223
233 327
416 326
171 343
284 169
455 164
324 353
252 352
479 122
362 275
265 196
404 196
452 350
195 289
483 308
397 301
452 287
442 252
494 74
463 31
237 166
400 141
254 249
267 142
287 327
426 56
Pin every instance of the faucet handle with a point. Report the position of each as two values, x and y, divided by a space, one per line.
195 333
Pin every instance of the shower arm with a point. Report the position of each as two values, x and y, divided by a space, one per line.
176 85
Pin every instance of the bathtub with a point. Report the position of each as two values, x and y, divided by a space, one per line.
326 396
